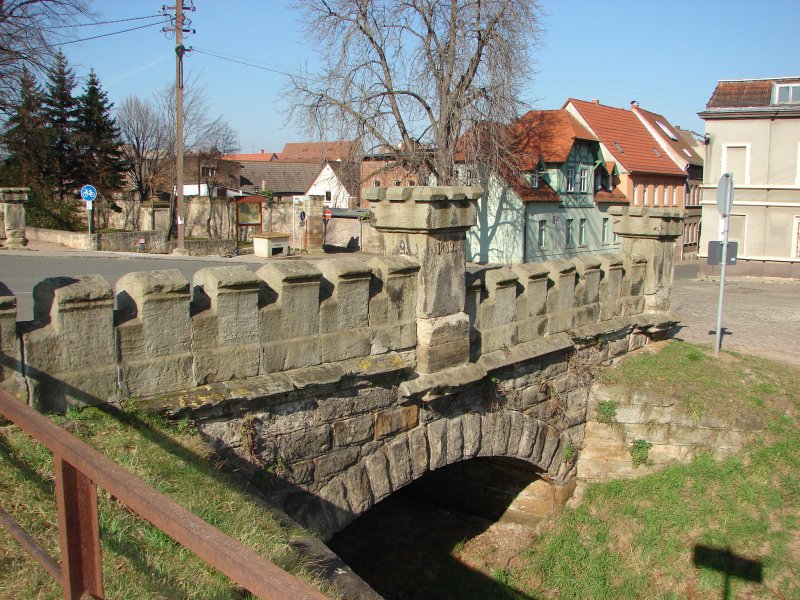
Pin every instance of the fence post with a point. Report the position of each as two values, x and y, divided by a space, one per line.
79 529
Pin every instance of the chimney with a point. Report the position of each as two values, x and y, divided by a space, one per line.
262 151
634 104
596 101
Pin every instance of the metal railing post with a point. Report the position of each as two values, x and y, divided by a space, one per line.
81 564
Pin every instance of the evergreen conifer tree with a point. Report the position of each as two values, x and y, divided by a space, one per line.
25 138
26 141
99 144
61 113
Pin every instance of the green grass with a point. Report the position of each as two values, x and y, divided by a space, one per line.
635 539
139 561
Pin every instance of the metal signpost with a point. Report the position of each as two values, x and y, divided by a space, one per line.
88 193
724 203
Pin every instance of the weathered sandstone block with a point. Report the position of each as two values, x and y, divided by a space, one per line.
289 319
70 359
154 333
225 324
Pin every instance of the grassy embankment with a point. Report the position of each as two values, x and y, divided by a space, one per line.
636 539
139 561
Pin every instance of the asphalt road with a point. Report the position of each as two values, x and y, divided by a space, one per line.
759 316
21 271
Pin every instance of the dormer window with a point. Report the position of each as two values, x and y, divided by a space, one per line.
535 179
207 171
570 180
787 93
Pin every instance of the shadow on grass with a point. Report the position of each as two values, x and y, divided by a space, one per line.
729 564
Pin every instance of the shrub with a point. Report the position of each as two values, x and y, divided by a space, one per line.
606 411
640 450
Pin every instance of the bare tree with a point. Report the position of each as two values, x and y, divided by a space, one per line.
30 31
418 72
145 145
201 131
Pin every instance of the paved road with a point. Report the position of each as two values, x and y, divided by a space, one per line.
759 316
20 270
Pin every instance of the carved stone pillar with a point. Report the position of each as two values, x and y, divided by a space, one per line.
651 233
429 225
12 207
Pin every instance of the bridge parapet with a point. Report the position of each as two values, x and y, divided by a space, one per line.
232 324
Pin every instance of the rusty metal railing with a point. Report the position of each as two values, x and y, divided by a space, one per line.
78 468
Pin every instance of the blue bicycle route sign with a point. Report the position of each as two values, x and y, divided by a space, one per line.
88 193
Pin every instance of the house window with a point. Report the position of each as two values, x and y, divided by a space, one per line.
411 183
207 171
376 183
787 94
584 180
328 196
535 179
541 236
644 195
582 232
616 238
736 160
570 235
397 182
598 180
606 230
570 180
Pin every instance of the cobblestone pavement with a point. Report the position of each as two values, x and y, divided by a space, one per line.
759 317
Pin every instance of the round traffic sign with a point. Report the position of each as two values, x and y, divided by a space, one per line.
326 214
88 193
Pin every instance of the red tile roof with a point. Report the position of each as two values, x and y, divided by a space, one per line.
546 135
626 138
667 132
319 151
258 157
736 94
614 196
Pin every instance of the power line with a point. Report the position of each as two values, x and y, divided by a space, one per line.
96 37
241 61
104 22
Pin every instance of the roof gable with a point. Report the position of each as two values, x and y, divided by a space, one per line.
670 137
280 177
546 135
626 138
319 151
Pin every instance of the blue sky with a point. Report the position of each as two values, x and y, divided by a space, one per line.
666 55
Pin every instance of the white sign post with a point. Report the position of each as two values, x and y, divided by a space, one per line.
88 193
724 204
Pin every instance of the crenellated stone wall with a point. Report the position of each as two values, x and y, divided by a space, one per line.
341 380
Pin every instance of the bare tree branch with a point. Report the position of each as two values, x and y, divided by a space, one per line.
30 31
411 77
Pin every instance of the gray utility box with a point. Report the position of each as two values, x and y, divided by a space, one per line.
715 253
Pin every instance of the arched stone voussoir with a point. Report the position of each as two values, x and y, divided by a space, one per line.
509 434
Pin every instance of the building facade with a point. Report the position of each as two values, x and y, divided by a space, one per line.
647 173
753 132
553 203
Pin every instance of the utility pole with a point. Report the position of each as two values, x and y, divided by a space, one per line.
180 50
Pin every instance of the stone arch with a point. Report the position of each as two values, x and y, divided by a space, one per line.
433 445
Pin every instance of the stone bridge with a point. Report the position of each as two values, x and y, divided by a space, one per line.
336 382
